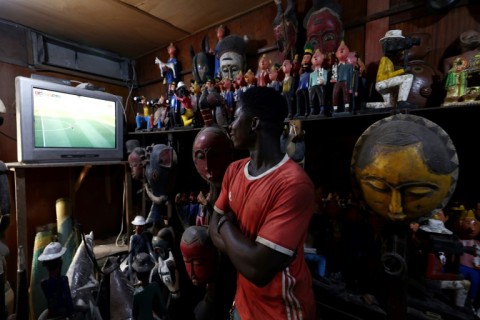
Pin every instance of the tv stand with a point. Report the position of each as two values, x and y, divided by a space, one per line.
20 169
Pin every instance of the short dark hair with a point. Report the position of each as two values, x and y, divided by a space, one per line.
265 103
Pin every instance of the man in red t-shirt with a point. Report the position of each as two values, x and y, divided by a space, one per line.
262 215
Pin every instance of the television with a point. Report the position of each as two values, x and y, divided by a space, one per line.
61 123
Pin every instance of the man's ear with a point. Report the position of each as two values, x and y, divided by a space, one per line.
255 123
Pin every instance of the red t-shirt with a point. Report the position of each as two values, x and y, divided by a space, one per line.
273 209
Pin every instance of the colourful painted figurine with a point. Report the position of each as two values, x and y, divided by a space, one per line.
144 116
56 287
389 79
186 108
343 79
316 85
262 72
288 86
172 70
250 79
273 75
468 232
301 93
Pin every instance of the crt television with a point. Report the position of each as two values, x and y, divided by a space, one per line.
61 123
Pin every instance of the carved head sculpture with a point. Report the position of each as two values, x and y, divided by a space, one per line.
136 161
160 168
342 53
404 167
199 254
468 226
212 152
203 63
324 29
285 28
231 53
317 59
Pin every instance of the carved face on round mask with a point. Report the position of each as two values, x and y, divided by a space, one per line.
212 153
405 167
324 30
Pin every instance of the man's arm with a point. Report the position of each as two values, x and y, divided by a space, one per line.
256 262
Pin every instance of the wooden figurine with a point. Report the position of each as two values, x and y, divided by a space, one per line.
285 28
288 86
262 77
316 85
301 93
343 78
393 84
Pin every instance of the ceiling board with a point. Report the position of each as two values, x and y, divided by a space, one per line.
131 28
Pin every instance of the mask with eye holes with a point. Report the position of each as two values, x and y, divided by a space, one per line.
212 152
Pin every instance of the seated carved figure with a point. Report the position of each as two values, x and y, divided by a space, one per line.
393 84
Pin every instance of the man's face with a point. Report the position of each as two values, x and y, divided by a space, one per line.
399 186
231 63
324 30
240 129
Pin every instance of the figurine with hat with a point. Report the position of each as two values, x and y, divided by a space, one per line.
56 288
303 99
147 297
392 82
140 241
185 104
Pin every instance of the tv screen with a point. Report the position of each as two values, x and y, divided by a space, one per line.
60 123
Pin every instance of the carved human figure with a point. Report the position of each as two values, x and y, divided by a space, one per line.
172 75
285 28
288 86
220 33
262 72
250 79
301 93
468 232
186 108
405 167
316 85
388 78
56 287
144 115
343 78
273 75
